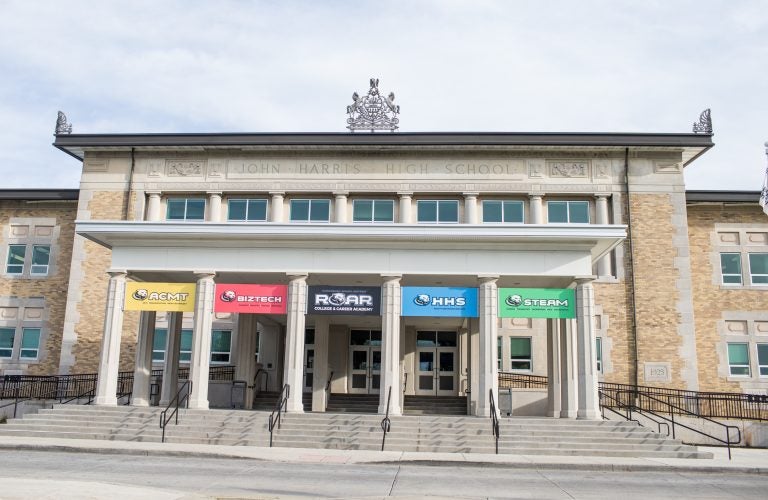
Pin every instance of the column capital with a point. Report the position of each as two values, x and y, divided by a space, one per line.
487 278
388 278
405 194
276 193
584 280
116 273
297 276
204 274
153 192
340 194
535 195
215 192
602 195
470 194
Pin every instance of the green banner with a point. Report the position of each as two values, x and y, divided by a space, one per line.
537 303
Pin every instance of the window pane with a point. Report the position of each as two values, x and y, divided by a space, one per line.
513 211
16 255
738 359
492 211
220 340
448 211
426 339
176 209
520 348
184 357
730 265
220 357
6 342
557 211
384 211
257 210
362 211
426 211
300 210
30 342
762 358
237 209
158 344
319 210
375 337
578 212
498 346
446 339
359 337
186 340
41 255
758 267
195 209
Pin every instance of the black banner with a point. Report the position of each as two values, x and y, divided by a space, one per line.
344 300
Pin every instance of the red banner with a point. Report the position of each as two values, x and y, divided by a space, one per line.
251 299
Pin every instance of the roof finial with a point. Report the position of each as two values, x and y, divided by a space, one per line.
62 126
373 112
704 125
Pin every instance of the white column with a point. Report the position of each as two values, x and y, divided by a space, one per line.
601 212
391 303
320 368
142 373
470 208
199 365
568 400
294 339
171 367
153 206
553 368
340 207
214 206
405 208
589 405
109 361
489 325
245 368
276 206
537 209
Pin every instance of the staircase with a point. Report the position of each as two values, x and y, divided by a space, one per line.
354 431
353 403
435 405
266 401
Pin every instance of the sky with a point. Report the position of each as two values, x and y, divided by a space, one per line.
462 66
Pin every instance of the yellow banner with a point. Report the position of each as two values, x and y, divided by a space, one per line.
176 297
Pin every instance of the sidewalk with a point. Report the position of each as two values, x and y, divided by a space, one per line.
751 461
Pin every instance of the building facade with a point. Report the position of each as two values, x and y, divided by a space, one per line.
669 286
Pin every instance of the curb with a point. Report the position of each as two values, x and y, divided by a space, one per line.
593 467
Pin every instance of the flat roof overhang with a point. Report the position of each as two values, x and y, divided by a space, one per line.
458 249
691 145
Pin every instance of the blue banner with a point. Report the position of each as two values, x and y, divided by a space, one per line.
455 302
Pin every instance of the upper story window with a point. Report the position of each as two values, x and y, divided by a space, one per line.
20 334
738 359
569 212
30 245
503 211
758 268
247 210
437 211
37 264
7 336
730 266
185 209
310 210
373 211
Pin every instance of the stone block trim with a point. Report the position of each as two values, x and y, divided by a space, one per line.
715 305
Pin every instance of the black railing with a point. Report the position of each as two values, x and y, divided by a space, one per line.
177 401
405 382
494 420
281 406
260 372
386 424
328 389
609 403
521 381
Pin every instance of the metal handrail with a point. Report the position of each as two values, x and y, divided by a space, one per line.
727 441
328 389
175 402
494 421
282 401
628 415
386 424
405 382
266 378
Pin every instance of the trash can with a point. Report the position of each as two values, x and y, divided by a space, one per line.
237 394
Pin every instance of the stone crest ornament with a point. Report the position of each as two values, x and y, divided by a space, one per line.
62 126
704 125
373 111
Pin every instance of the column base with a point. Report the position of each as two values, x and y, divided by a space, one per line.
105 401
295 404
568 413
589 415
198 404
139 402
393 410
554 414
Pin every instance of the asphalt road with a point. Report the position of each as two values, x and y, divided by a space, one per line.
115 477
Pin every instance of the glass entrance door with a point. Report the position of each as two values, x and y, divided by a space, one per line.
436 365
364 362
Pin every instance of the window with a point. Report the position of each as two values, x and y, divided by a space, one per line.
758 268
248 210
599 353
571 212
738 359
158 345
185 346
499 352
6 342
503 211
730 265
185 209
41 256
373 211
762 359
30 343
310 210
16 254
221 341
437 211
520 353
